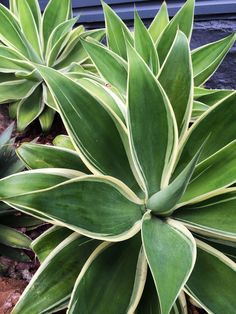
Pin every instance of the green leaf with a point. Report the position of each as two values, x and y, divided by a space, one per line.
166 243
17 89
46 119
48 241
117 32
74 38
11 34
13 238
48 98
221 132
165 200
63 141
100 207
212 282
106 95
14 254
58 40
159 23
182 21
34 7
11 61
52 285
34 180
6 135
109 65
120 271
55 13
37 156
198 109
207 59
9 163
226 247
29 109
21 221
178 84
75 52
144 45
151 124
29 24
91 127
212 96
214 217
214 173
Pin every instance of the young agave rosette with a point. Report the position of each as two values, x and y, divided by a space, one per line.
144 208
27 39
153 45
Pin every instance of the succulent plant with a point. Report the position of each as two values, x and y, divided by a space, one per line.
27 39
12 241
143 207
153 45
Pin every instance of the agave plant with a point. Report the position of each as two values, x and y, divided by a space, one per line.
143 208
153 44
12 241
27 38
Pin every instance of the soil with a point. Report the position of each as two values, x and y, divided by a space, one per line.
33 132
10 292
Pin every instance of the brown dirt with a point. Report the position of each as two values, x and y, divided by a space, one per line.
33 131
10 292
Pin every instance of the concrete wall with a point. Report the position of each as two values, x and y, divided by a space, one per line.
211 29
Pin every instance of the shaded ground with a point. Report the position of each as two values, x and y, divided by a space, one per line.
10 292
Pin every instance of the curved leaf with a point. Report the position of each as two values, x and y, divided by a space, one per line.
29 108
36 156
117 32
207 59
63 141
12 237
55 13
119 270
221 132
176 78
159 23
214 217
48 241
46 119
28 24
12 35
182 21
164 201
51 286
98 207
166 243
17 89
151 123
212 282
110 66
214 173
144 45
91 126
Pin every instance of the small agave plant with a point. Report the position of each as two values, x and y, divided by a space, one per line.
142 203
153 45
12 241
27 39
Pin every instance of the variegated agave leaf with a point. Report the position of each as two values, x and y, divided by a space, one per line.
12 241
27 39
143 205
